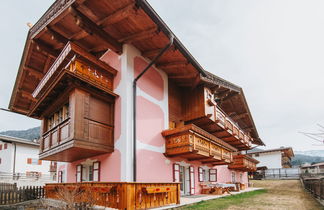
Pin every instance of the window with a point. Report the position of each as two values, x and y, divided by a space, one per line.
257 155
5 146
88 172
34 161
233 177
60 176
58 117
33 174
0 160
241 177
213 175
0 146
203 175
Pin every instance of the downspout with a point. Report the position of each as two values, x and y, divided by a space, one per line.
14 160
135 101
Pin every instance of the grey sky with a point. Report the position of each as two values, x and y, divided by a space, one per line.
274 49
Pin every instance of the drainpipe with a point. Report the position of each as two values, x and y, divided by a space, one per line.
135 101
14 160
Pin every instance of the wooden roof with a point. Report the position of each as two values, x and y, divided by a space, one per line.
101 25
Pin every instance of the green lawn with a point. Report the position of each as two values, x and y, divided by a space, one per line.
225 202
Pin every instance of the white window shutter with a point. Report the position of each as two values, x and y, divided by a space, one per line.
192 180
176 172
96 171
78 173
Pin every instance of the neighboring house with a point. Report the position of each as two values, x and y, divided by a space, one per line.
20 156
176 123
274 158
315 168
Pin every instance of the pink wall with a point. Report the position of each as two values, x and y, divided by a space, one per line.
109 167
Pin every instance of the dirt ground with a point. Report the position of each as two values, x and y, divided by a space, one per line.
281 195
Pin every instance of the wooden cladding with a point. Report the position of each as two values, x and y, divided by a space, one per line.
119 195
88 131
193 143
200 108
243 163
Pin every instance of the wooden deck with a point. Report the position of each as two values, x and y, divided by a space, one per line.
119 195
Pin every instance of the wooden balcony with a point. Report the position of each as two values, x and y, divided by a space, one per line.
201 110
243 163
118 195
87 131
193 143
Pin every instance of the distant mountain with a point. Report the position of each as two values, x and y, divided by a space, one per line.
302 159
31 134
317 153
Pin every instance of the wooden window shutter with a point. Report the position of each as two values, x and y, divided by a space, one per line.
0 146
29 161
96 171
200 174
192 180
78 173
39 162
213 175
176 172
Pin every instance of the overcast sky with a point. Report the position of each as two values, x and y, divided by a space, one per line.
273 49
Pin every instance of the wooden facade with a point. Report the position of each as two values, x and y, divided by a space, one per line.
199 107
243 163
118 195
76 104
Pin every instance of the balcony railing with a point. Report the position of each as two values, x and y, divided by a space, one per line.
194 143
118 195
200 110
243 163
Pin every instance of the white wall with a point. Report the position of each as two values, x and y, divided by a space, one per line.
271 159
23 152
6 156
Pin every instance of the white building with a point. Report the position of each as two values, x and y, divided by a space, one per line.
317 168
274 158
19 160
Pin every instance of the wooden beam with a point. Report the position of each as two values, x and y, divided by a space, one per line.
229 96
57 36
154 52
223 94
172 65
239 116
27 95
92 28
118 15
140 35
45 49
182 76
33 72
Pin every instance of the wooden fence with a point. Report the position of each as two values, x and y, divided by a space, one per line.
119 195
21 194
7 186
315 186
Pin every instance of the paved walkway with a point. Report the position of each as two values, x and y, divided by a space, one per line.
187 200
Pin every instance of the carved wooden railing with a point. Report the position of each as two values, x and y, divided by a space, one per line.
119 195
226 122
243 163
192 142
